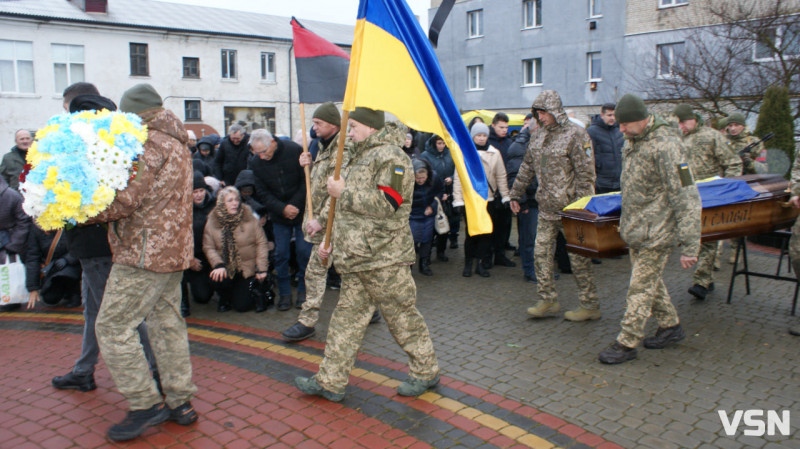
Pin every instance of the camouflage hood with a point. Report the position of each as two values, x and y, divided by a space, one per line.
393 133
550 101
165 121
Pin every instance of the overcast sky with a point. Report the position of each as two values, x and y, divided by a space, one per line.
338 11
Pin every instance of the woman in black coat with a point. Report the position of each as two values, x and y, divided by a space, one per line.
196 276
57 280
427 188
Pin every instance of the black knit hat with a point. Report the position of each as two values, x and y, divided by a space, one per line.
91 102
684 112
199 182
329 113
630 108
373 119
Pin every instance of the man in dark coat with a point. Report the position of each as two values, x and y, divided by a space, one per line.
528 216
499 138
607 141
14 160
281 188
232 155
14 222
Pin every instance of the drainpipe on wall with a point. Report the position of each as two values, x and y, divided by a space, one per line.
291 130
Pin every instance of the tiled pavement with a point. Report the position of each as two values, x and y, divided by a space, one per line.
509 381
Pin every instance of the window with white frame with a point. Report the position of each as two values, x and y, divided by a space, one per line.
670 3
669 57
228 64
268 67
594 67
532 72
67 65
531 13
782 40
16 66
475 23
594 8
475 77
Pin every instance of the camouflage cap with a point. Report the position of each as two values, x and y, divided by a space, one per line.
736 117
684 112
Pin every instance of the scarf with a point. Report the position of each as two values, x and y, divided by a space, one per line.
230 255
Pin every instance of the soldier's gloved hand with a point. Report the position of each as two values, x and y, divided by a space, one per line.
59 264
747 159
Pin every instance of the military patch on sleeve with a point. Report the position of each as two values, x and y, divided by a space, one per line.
397 177
685 174
587 146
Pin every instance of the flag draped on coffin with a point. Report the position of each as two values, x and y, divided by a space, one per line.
393 68
321 67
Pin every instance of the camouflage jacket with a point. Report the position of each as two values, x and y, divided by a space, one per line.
660 203
737 144
371 228
794 184
709 155
323 167
561 157
151 219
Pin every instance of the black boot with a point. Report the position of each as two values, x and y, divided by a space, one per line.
467 268
482 270
285 302
224 304
425 266
185 311
441 257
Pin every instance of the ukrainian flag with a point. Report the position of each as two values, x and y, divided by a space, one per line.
393 68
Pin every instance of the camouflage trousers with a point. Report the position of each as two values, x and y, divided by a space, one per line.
704 272
794 248
316 280
647 295
546 233
133 295
393 291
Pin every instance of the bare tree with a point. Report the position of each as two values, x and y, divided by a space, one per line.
748 46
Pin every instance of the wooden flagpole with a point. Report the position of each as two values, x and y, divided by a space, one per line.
307 168
336 172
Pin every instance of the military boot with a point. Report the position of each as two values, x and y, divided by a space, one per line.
425 266
415 387
309 385
665 336
467 268
543 308
582 314
481 268
617 353
700 292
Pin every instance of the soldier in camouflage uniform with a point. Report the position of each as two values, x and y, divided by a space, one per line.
708 156
660 209
794 242
560 155
373 250
150 234
738 138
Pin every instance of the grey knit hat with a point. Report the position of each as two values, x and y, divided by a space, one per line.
366 116
630 108
736 117
328 112
684 112
479 128
139 98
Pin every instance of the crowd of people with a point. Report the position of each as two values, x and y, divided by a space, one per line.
245 227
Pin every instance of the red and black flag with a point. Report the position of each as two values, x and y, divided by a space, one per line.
321 67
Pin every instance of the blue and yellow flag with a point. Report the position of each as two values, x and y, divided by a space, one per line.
393 68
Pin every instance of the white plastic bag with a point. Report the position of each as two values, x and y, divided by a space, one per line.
12 282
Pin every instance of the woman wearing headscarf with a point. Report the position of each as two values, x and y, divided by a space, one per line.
236 248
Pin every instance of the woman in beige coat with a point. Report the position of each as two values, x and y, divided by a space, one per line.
236 248
478 247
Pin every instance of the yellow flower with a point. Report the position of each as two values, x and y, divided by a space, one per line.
102 197
120 125
85 115
49 220
69 198
34 157
51 178
46 130
104 135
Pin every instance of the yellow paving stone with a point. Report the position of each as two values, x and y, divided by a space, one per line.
535 442
491 422
230 338
430 396
512 432
449 404
261 345
374 377
391 383
358 372
470 413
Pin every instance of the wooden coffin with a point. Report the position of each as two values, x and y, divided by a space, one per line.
594 236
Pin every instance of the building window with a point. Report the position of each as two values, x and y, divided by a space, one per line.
671 3
268 67
594 67
777 41
191 109
594 8
139 60
191 67
531 13
669 56
67 65
16 66
532 72
229 64
475 77
475 23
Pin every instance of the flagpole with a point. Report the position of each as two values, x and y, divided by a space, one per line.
336 172
306 169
